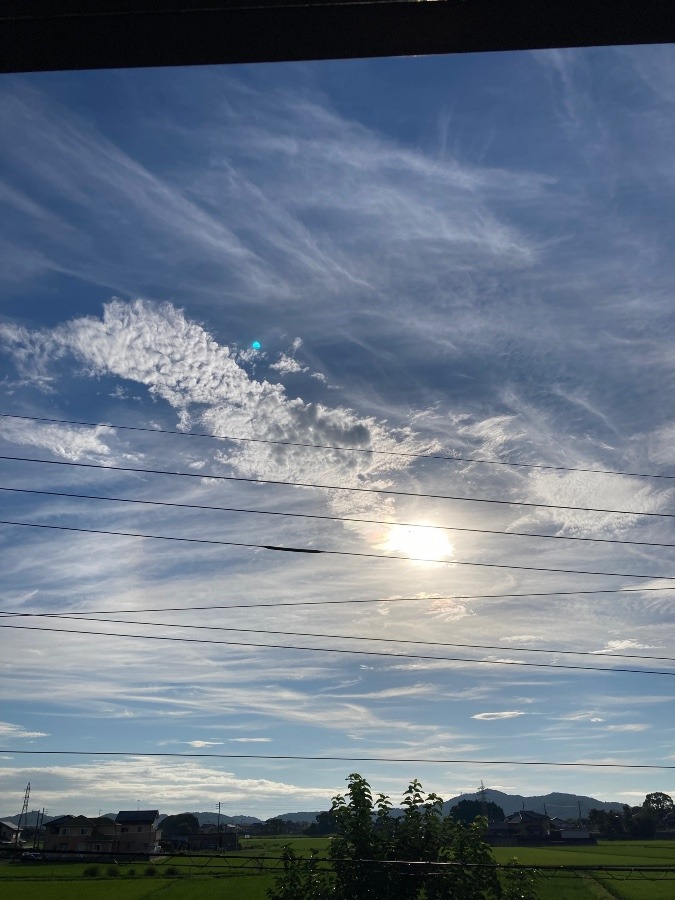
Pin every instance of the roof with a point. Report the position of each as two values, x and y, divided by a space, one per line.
526 815
137 815
7 824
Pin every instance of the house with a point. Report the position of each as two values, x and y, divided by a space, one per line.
136 831
529 824
498 833
9 833
80 834
225 839
132 831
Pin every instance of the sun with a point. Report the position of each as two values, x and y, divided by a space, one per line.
423 542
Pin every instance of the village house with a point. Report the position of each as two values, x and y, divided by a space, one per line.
80 834
137 831
132 831
9 833
529 824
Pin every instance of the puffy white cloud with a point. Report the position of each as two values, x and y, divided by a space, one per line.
288 365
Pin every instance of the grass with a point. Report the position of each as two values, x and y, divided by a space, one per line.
205 877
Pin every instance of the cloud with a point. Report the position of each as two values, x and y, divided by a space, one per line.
625 644
288 365
629 726
66 441
171 785
492 716
10 731
251 740
200 744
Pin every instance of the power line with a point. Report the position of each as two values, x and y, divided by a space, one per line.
353 553
483 662
88 617
277 604
327 518
334 487
390 759
369 450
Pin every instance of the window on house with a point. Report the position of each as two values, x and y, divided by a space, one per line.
124 830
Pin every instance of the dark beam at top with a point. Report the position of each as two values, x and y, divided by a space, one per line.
40 35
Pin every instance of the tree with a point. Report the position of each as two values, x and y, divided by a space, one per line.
660 803
181 824
379 857
468 810
325 824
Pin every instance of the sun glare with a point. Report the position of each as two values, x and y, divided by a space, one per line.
424 542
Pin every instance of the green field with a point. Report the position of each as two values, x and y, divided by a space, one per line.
203 877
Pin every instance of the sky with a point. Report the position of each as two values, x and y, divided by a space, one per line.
466 257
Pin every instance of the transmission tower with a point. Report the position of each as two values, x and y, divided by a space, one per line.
483 802
24 812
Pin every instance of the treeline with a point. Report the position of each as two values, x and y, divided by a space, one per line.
655 814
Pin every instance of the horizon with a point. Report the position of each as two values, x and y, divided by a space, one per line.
393 260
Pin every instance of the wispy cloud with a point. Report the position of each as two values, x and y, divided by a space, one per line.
494 716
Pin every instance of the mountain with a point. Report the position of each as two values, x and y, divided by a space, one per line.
565 806
211 818
308 817
29 821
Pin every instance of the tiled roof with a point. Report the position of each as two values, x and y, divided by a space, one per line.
137 815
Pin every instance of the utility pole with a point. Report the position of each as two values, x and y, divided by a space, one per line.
39 822
483 803
579 806
219 840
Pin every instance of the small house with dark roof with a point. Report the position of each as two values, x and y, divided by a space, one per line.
9 832
530 824
136 830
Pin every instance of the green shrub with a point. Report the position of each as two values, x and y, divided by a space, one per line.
172 870
131 872
91 872
113 871
150 870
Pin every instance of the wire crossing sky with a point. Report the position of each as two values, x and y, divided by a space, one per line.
371 356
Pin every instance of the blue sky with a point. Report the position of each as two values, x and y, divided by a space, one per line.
454 255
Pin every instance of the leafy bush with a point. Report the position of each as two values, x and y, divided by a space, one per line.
91 872
131 872
113 871
172 870
150 870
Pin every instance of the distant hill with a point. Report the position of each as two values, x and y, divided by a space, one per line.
211 818
308 817
29 821
564 806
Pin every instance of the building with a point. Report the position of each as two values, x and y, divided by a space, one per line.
137 831
132 831
80 834
225 839
529 824
9 833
